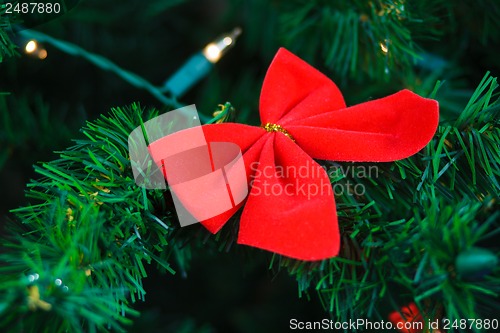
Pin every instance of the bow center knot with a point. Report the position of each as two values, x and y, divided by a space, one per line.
270 127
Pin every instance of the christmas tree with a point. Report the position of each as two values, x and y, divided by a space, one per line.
86 249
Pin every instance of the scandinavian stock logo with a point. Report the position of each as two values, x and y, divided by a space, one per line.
206 179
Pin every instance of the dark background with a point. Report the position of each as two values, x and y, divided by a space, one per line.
51 99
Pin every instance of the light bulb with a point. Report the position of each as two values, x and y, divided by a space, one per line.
212 52
384 47
215 50
42 54
31 46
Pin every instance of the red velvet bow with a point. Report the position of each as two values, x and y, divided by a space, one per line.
307 118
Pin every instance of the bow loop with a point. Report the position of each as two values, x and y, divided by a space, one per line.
382 130
293 90
290 208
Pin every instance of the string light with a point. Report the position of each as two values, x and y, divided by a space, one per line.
42 54
215 50
31 46
212 53
200 64
384 47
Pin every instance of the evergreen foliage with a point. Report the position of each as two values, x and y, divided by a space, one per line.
93 230
34 127
75 258
7 47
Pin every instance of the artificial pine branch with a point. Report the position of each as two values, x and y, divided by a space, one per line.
7 46
78 260
91 228
351 37
34 127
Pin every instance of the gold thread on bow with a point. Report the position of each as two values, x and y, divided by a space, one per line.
277 128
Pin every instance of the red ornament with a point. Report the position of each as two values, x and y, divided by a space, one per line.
303 117
408 320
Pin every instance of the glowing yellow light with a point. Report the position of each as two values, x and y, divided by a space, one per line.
31 46
215 50
384 47
212 52
42 54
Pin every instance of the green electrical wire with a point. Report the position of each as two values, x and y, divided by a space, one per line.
106 64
